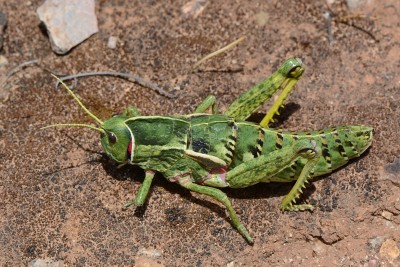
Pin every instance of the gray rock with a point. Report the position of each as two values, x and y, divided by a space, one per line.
68 22
3 24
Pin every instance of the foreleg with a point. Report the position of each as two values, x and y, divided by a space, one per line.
131 112
143 190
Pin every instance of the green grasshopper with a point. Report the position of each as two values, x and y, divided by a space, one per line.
203 152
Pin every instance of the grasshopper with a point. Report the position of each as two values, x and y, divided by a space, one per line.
204 152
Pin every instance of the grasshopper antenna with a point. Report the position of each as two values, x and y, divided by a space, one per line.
84 109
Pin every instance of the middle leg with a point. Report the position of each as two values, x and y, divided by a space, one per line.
222 198
208 102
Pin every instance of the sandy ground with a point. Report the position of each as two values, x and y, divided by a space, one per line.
61 198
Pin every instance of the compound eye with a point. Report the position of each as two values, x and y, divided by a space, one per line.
112 138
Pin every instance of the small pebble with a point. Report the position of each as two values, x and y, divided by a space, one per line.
194 8
375 242
147 262
45 263
319 249
387 215
230 264
353 4
151 253
3 61
112 42
262 18
389 250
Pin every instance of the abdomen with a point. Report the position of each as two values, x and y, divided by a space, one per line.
338 145
213 135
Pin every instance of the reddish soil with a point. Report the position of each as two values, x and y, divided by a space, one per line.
61 198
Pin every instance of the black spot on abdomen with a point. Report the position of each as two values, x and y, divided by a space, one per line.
201 146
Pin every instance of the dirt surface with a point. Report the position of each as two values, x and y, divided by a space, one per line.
61 198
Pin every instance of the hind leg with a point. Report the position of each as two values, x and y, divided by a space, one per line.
285 77
264 167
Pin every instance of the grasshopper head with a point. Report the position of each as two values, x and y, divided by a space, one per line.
116 138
